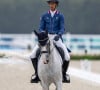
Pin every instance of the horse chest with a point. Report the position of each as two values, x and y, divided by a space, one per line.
50 70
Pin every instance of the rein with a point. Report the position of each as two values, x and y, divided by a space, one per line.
44 39
48 47
44 52
47 51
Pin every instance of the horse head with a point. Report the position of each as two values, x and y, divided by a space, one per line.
44 44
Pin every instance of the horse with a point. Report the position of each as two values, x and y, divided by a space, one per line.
50 62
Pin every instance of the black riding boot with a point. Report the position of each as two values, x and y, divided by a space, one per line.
35 78
66 78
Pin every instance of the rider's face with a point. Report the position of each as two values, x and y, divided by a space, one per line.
52 5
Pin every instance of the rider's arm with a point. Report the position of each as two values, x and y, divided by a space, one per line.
42 24
62 28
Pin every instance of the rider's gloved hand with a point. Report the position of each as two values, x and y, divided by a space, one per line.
56 38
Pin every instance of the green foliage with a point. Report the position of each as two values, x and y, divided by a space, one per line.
89 57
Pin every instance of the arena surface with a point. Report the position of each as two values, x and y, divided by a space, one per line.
15 74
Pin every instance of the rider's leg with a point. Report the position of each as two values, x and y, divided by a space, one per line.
35 77
65 66
34 60
59 43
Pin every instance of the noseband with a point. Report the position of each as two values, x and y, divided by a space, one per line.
46 52
42 52
48 48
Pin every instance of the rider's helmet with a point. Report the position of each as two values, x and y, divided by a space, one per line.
55 1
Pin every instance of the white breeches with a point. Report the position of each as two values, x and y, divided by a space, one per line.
33 54
59 43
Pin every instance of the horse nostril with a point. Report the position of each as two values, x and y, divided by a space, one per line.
47 61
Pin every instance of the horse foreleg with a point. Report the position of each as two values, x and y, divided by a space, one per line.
59 86
45 86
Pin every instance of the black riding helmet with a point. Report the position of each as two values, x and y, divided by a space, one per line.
55 1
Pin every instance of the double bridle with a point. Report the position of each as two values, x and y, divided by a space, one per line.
48 48
46 51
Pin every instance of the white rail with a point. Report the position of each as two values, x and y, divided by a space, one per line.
77 43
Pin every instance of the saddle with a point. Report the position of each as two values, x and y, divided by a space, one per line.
59 49
61 52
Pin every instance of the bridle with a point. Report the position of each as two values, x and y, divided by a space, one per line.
48 48
46 51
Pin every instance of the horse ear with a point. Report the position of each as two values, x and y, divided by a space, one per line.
36 33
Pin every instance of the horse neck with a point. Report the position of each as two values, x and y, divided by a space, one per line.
51 46
52 49
54 53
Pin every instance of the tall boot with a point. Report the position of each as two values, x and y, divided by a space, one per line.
35 78
66 78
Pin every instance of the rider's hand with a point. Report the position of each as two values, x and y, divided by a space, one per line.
56 38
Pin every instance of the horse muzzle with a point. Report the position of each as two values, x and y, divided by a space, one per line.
46 61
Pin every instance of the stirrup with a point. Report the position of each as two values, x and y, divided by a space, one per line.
66 78
34 79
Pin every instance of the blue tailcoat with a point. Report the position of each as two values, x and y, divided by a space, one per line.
54 25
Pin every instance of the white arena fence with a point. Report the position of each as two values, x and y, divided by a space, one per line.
77 43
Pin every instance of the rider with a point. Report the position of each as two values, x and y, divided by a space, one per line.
53 21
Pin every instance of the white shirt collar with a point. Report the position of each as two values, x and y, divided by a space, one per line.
53 12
